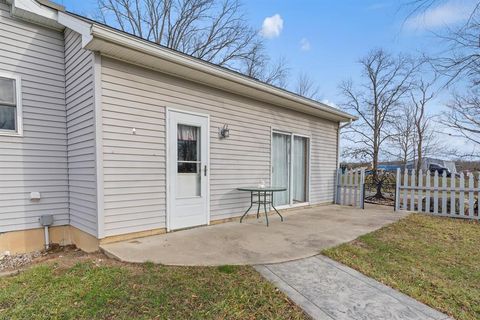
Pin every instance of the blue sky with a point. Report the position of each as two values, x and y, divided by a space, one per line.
325 38
335 34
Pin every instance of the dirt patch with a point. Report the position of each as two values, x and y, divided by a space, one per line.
384 202
63 258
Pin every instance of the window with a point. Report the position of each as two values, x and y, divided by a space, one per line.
188 161
10 105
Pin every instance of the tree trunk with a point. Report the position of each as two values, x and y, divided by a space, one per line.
376 179
419 152
379 194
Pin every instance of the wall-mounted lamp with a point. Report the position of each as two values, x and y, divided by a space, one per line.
224 132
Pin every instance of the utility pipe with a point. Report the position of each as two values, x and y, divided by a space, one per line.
47 239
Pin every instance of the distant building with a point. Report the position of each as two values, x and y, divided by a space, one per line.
427 161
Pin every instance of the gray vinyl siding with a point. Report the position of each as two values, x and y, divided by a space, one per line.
79 81
134 165
38 160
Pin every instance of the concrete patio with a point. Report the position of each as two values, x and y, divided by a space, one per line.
304 233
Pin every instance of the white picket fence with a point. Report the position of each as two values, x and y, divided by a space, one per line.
443 196
350 190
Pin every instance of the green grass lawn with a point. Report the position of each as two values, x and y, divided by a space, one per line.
434 260
89 287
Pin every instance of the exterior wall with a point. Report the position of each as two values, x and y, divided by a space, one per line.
134 164
57 153
37 161
79 80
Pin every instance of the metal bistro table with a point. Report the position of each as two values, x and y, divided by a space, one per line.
264 196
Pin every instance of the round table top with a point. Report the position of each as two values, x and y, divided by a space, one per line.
258 189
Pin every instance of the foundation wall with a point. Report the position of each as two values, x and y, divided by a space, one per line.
33 239
15 242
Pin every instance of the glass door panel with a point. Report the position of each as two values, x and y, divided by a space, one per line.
281 150
188 161
300 169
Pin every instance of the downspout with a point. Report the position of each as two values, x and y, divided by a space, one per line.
340 127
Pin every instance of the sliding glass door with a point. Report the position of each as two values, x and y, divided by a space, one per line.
290 168
300 169
281 150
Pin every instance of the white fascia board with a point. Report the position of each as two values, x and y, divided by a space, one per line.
77 25
35 12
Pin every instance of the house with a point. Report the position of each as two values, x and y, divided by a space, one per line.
116 137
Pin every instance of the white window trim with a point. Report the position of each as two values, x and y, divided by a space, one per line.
292 136
18 91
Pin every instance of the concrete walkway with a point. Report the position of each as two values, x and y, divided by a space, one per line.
304 233
328 290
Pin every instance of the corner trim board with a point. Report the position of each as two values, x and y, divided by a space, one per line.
97 87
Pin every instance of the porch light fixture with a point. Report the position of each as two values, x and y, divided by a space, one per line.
224 132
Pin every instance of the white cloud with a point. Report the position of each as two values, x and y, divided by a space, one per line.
304 44
272 26
446 14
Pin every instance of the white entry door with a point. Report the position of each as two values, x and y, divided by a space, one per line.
188 170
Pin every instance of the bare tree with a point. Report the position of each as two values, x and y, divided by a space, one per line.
421 96
460 64
307 87
463 116
276 73
461 60
403 134
213 30
258 65
387 80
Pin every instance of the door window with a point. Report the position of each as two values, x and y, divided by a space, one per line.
188 161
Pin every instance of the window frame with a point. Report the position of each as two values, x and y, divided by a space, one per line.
18 105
